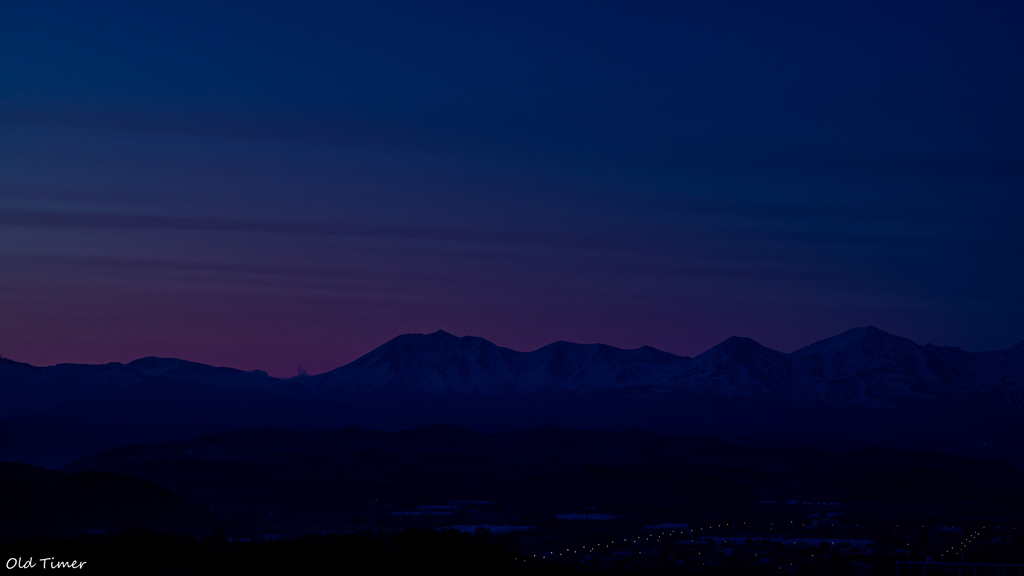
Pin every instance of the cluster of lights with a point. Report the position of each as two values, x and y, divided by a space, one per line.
571 553
656 537
963 545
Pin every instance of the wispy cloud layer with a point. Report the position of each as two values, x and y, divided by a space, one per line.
294 187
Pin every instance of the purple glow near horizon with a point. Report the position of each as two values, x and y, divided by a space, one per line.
297 188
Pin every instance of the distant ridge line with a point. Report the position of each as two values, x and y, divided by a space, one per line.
864 367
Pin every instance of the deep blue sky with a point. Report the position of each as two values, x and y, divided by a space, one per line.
268 185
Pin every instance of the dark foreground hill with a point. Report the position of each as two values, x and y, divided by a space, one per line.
391 502
35 501
413 551
543 471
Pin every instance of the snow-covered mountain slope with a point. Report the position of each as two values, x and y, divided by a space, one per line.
869 367
440 363
737 367
999 376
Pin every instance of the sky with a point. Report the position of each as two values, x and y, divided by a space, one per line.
286 186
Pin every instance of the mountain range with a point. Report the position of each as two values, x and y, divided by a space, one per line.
860 388
863 367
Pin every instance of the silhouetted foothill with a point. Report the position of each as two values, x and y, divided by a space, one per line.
35 500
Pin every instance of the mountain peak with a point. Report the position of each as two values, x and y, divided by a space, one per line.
864 336
740 341
178 369
741 366
740 344
153 365
438 336
433 341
